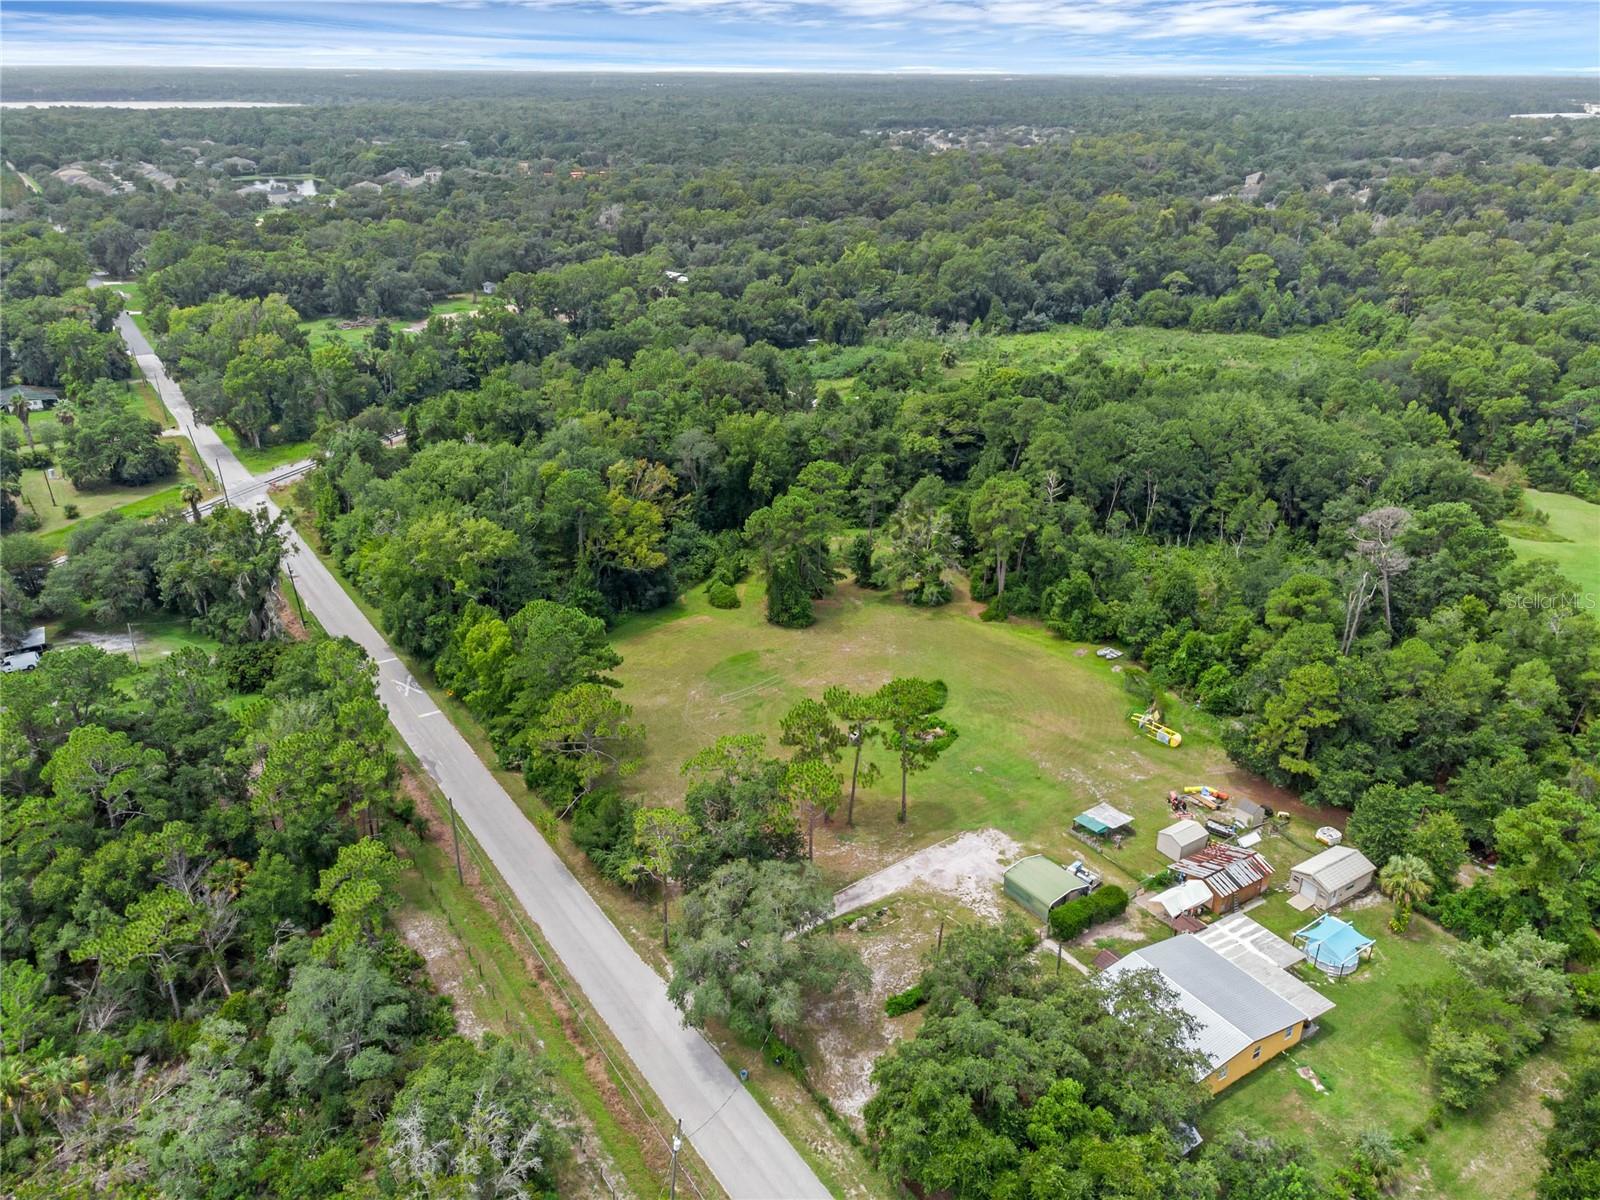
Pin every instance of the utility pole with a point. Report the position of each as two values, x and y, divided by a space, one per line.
455 840
677 1144
1059 951
223 483
938 948
300 607
48 488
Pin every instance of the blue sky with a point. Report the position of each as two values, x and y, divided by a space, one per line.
1361 37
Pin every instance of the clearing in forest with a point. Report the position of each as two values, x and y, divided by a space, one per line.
1044 729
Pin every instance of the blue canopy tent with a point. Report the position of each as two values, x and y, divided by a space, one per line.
1333 946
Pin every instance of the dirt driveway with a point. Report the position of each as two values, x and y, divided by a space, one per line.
969 866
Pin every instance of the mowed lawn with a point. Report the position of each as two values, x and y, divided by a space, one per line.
1571 540
1377 1076
1044 723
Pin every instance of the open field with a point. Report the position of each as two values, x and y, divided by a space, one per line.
271 455
1571 540
133 502
326 329
1044 723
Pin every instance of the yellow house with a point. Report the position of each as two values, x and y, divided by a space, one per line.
1243 1017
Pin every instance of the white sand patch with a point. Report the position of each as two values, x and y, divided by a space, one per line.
969 867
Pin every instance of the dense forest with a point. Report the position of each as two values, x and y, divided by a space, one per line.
744 329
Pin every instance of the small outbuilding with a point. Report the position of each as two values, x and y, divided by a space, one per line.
1103 819
1233 876
1182 839
1038 884
1184 899
1332 877
38 398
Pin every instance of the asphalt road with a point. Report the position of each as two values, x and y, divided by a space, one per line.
751 1159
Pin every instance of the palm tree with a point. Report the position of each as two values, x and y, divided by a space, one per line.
21 411
1409 880
191 496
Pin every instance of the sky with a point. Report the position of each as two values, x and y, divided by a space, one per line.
1356 37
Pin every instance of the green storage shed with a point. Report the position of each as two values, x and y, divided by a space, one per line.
1039 885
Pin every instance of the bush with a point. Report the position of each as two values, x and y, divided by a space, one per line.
996 611
722 595
70 511
247 666
900 1003
1586 994
1077 915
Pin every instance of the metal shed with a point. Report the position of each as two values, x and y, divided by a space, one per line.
1102 818
1182 839
1039 884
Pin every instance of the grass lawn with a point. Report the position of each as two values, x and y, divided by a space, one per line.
326 329
1044 723
1571 540
133 293
269 456
49 499
1377 1076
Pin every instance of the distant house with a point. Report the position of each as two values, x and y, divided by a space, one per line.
489 288
1038 884
237 163
1332 877
1182 839
1231 874
1240 1021
38 398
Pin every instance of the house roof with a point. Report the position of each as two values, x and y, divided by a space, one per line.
1265 957
1043 879
1336 868
1224 868
1185 830
1102 818
1229 1007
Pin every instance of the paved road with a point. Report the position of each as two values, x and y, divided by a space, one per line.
751 1159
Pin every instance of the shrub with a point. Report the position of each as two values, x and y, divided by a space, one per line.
1586 994
70 511
722 595
1077 915
901 1003
248 666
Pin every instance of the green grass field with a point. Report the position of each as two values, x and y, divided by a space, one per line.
326 329
1571 540
1044 723
269 456
133 502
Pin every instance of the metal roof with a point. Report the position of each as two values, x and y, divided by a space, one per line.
1043 879
1230 1008
1265 957
1102 818
1336 868
1183 897
1224 868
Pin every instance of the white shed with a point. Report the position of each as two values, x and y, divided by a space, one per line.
1332 877
1181 840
